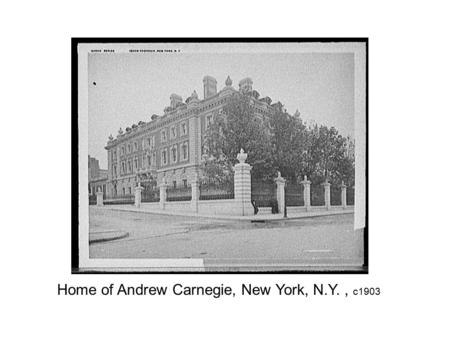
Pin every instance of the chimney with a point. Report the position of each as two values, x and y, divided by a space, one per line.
175 100
209 86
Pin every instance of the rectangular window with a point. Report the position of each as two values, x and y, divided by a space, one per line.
164 157
154 159
184 151
174 154
149 160
208 120
129 167
173 132
185 183
135 146
136 163
129 190
123 191
174 184
183 128
129 148
163 136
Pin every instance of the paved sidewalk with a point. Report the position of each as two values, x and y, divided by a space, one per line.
260 217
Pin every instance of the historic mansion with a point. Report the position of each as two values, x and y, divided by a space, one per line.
170 145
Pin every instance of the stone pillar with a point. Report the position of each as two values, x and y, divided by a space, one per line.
138 195
242 185
99 197
343 195
281 183
163 194
195 193
326 187
306 193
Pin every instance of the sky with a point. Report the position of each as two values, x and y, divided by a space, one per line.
132 87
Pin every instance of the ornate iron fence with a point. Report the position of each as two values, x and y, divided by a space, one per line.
350 196
294 194
179 194
335 195
264 193
150 194
216 191
119 199
317 195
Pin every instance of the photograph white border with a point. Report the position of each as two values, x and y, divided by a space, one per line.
359 50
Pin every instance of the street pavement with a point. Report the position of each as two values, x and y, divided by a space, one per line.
328 242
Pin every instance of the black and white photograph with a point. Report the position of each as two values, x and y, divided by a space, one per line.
226 156
224 169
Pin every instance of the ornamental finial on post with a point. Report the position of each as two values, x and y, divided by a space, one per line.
242 156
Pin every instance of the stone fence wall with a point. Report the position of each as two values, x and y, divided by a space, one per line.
241 204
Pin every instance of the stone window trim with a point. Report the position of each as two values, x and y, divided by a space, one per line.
164 155
183 128
173 153
208 117
173 132
184 156
163 135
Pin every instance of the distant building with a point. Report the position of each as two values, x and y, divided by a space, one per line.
170 146
97 177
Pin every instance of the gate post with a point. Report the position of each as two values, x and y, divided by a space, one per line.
138 195
99 197
281 183
195 193
343 195
306 193
163 193
242 185
326 187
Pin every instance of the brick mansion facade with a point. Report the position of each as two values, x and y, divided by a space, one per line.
169 147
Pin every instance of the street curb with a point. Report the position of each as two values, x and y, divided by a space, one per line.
122 235
237 218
